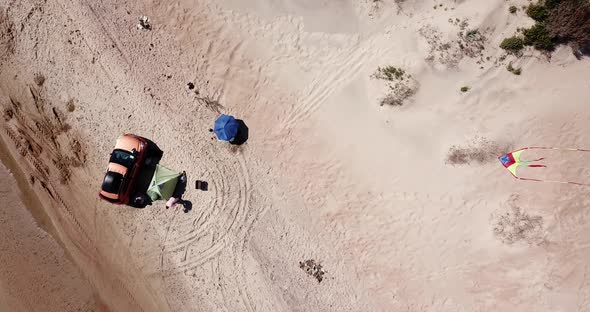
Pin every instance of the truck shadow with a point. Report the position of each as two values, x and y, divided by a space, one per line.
144 177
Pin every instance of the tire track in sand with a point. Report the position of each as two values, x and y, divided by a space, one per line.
236 273
194 241
323 87
237 218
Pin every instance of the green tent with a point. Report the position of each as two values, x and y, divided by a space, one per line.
163 183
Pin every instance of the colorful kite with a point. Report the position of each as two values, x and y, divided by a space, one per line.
513 160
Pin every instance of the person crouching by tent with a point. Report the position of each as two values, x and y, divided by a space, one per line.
167 185
178 192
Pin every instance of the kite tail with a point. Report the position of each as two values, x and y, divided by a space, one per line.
537 166
532 160
527 163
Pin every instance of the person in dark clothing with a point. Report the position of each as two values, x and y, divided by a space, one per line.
178 192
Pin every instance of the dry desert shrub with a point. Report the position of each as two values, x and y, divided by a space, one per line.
480 150
312 268
515 226
441 51
472 43
398 94
469 43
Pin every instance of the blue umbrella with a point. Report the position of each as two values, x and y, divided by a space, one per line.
226 127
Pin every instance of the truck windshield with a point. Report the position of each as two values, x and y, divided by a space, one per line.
123 158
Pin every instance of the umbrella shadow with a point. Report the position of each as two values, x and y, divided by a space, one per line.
242 135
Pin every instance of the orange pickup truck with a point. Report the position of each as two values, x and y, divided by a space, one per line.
125 162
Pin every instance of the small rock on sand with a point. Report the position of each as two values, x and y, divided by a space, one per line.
144 23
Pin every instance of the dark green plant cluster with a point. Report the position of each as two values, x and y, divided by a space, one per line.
538 12
539 37
389 73
513 44
512 9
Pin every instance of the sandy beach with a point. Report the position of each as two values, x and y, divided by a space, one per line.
406 207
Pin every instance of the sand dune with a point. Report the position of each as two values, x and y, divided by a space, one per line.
329 174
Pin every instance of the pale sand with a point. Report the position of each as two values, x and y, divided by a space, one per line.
35 272
327 173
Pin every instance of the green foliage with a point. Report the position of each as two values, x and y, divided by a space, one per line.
513 44
538 12
512 9
389 73
465 89
539 37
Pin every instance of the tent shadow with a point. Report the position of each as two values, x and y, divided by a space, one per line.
242 135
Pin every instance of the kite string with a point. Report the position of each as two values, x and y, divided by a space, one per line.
557 148
553 181
543 166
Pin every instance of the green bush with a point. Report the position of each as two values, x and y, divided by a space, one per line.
464 89
389 73
512 9
539 37
538 12
512 44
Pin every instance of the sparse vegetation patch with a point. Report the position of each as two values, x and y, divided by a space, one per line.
389 73
401 85
469 43
515 226
472 43
480 151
